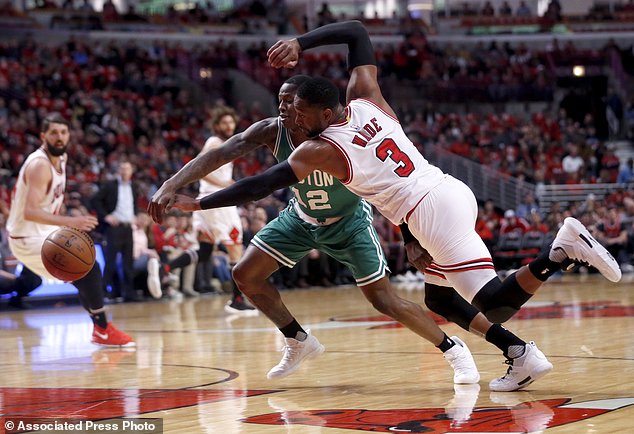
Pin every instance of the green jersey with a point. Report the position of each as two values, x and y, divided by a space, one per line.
320 195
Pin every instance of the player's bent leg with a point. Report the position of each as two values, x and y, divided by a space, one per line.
500 300
91 297
411 315
579 246
237 305
251 275
446 302
384 299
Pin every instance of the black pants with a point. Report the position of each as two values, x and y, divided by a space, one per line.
26 282
119 239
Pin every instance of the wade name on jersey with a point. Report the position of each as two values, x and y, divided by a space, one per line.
368 132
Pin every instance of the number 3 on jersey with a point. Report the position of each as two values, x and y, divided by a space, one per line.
389 149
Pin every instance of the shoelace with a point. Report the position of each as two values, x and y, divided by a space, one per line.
510 368
290 351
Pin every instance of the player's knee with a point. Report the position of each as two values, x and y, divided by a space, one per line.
241 274
500 314
438 299
447 303
246 277
380 300
500 300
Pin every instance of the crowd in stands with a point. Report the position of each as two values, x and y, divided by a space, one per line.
545 149
132 103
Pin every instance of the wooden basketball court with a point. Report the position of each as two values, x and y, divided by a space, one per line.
203 371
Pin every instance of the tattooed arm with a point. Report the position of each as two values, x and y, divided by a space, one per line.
262 133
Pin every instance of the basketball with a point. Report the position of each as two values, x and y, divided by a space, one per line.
68 254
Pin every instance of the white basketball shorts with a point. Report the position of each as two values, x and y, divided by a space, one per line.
444 224
222 224
28 250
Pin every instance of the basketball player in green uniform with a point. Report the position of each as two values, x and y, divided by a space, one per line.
322 215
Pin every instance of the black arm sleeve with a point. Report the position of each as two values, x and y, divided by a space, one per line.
352 33
252 188
407 235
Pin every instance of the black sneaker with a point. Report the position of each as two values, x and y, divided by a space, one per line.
17 302
238 306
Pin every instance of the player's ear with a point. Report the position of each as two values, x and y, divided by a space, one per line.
328 114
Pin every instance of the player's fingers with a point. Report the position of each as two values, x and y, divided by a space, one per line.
155 212
276 50
273 48
277 57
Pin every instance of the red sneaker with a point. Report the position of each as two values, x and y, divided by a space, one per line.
111 337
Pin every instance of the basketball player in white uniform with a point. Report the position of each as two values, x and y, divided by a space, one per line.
36 203
364 145
221 225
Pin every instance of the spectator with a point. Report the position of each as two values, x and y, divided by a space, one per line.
523 10
512 223
536 223
612 233
505 9
553 11
186 241
486 229
86 7
572 162
116 206
529 205
109 11
626 174
609 165
144 256
487 10
325 16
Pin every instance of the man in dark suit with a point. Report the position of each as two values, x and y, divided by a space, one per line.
116 206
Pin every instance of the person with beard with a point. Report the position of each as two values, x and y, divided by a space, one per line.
37 200
364 145
222 225
322 215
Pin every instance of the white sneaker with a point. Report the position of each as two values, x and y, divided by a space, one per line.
461 360
581 247
153 278
294 352
523 370
461 406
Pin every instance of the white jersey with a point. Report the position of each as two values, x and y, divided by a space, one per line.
384 166
219 178
17 225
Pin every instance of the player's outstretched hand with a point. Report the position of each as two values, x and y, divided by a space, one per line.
185 203
161 202
418 256
83 222
284 54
